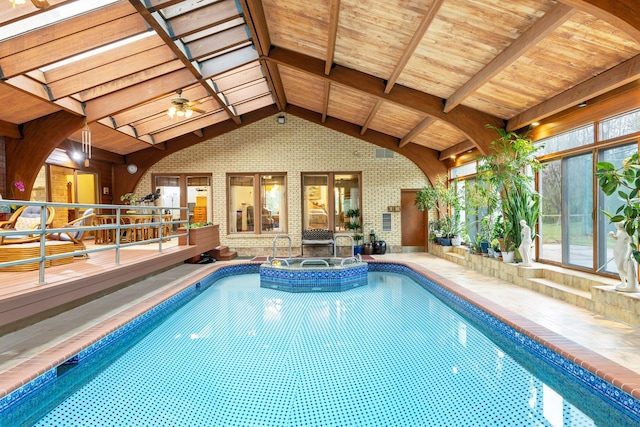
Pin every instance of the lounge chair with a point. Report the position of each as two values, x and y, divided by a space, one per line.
26 218
76 237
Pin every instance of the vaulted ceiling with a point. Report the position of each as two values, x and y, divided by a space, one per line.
422 73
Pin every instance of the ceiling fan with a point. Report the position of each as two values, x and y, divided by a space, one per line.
182 107
40 4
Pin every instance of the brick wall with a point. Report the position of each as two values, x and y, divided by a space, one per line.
295 147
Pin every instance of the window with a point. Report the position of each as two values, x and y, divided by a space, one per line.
257 203
462 170
624 124
326 193
575 138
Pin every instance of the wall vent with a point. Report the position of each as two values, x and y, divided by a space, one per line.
383 153
386 221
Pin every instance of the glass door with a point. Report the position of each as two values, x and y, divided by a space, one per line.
577 206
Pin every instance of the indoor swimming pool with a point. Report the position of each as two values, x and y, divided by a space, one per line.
227 352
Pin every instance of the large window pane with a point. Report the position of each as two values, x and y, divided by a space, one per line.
578 204
169 187
257 203
616 156
347 196
567 140
624 124
315 202
550 224
241 204
199 196
273 201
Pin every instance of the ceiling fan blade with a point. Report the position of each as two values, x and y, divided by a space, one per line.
197 110
40 4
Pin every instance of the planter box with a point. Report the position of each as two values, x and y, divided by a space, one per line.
206 238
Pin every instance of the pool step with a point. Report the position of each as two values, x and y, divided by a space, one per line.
561 292
223 253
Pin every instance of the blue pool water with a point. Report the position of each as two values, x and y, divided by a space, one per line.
386 354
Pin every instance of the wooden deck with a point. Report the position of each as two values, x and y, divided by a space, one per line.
24 301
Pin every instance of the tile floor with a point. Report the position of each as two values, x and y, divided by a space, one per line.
32 349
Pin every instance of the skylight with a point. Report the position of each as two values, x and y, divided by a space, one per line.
51 16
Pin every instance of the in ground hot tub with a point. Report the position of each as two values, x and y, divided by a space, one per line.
313 274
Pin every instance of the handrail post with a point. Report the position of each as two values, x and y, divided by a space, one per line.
43 230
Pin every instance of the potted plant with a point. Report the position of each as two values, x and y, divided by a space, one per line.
446 200
509 169
355 226
129 199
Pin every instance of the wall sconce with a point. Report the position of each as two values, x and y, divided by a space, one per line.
582 104
281 120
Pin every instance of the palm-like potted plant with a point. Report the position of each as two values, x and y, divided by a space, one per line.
509 169
446 200
355 226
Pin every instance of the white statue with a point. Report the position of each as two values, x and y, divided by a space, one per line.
627 265
526 245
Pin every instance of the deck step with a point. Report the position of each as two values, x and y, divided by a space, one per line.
562 292
222 253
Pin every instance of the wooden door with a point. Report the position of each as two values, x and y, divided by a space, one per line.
412 223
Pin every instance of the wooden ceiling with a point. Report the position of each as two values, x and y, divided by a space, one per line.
425 72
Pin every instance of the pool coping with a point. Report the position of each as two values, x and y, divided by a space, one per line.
30 372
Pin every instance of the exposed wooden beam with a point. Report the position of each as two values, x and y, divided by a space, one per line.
417 37
371 116
325 100
457 149
416 130
469 121
622 14
555 17
257 23
334 16
275 83
10 130
611 79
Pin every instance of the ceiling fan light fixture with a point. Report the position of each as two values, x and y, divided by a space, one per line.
180 107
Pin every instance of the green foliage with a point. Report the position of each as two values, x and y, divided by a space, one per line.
199 224
129 199
354 224
625 182
446 200
509 170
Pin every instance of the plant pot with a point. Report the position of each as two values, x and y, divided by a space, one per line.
379 247
357 250
485 247
491 252
367 249
508 256
445 241
456 241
